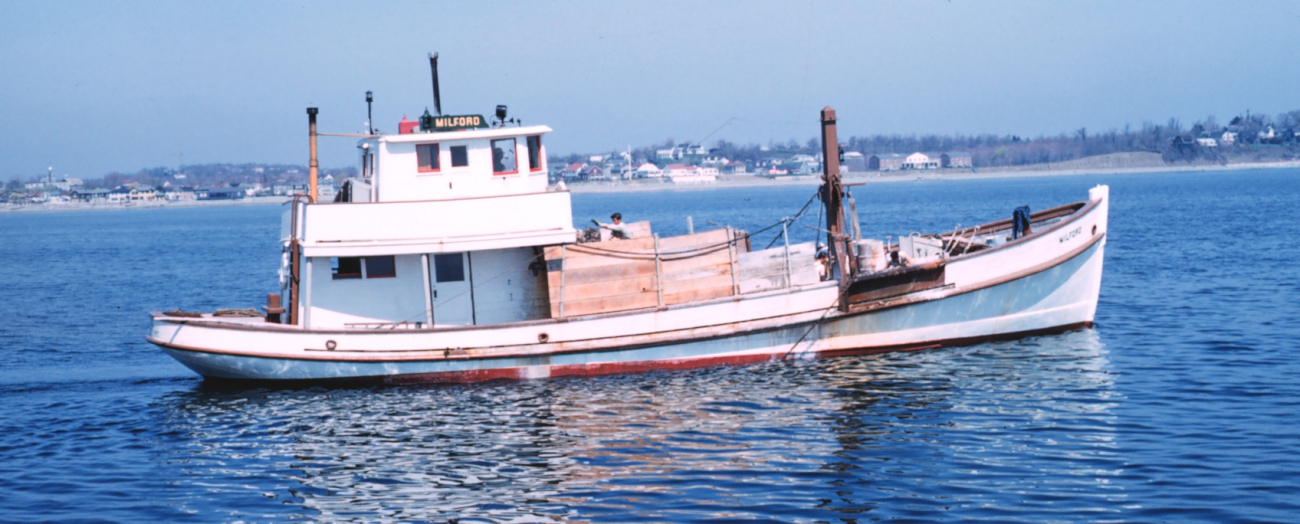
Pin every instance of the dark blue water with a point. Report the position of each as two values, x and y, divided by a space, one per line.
1181 405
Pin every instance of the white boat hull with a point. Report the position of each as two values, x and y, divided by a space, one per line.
1042 284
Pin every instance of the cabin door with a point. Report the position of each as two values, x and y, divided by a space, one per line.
453 296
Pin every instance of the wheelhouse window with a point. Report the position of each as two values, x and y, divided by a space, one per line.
535 153
449 268
363 267
503 157
459 156
345 267
380 267
428 157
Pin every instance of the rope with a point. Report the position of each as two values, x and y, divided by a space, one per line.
814 325
693 252
796 217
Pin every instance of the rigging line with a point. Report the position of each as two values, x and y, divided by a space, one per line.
793 123
706 250
715 131
642 255
795 218
711 247
778 235
819 215
814 325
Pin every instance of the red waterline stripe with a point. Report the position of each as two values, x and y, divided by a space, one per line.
616 368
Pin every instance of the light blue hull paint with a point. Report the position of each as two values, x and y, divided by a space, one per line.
1064 287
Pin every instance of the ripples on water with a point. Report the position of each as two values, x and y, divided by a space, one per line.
1179 406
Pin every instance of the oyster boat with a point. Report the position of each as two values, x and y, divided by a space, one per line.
414 274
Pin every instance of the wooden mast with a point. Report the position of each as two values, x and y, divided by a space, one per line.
311 126
295 251
832 191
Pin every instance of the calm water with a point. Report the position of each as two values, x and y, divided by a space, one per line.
1181 405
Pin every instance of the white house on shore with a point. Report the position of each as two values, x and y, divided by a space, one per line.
736 167
920 160
648 170
684 174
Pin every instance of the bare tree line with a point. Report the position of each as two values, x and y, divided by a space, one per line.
990 150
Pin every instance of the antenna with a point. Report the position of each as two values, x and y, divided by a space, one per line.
370 119
437 97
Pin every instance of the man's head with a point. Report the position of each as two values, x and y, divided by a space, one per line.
617 218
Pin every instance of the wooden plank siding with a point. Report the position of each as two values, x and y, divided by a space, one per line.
765 270
618 275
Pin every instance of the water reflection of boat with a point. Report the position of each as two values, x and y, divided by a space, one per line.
835 431
450 259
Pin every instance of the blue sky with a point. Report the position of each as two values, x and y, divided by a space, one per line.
93 87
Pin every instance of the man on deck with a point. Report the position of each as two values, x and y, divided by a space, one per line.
618 229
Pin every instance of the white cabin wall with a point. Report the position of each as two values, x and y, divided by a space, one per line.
400 180
505 290
443 226
397 299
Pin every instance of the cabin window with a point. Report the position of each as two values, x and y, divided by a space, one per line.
363 267
459 156
345 267
428 157
381 267
503 157
449 268
535 153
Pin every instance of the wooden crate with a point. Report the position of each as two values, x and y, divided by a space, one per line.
766 270
619 275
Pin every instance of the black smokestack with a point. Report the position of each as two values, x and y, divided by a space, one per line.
437 97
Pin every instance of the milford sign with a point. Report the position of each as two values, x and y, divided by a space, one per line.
451 122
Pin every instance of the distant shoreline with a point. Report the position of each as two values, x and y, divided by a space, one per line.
874 177
54 208
870 177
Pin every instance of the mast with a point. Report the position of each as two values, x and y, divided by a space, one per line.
832 191
370 116
437 96
311 131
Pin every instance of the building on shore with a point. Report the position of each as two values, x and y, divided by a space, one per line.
736 167
223 193
919 160
648 170
574 170
854 161
288 189
91 196
684 174
959 159
885 162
